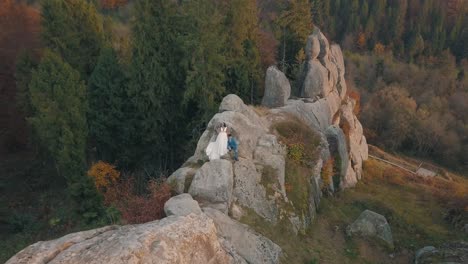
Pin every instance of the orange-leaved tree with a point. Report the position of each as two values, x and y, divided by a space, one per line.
103 174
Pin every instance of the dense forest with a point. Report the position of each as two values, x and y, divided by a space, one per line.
120 90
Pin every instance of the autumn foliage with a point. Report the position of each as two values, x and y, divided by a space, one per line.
103 174
19 30
136 208
120 193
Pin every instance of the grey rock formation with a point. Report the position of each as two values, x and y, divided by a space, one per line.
253 247
212 184
357 142
277 88
250 193
453 253
181 205
187 240
316 80
312 47
372 224
179 177
338 148
337 59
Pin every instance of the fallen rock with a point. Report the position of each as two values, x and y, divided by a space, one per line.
277 88
453 253
372 224
250 245
181 205
213 183
185 239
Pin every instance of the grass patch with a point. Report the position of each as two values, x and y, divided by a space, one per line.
415 214
297 187
302 142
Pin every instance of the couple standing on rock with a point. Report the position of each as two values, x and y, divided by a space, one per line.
223 144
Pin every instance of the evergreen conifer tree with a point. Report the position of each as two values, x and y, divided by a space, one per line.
206 64
58 97
157 78
107 106
74 30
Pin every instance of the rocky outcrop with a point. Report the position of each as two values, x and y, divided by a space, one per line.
183 239
277 88
455 252
372 224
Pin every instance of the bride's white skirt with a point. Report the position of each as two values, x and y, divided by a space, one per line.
218 148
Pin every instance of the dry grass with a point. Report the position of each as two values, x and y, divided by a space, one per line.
302 141
416 209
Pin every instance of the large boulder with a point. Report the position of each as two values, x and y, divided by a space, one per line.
312 47
212 184
234 103
316 81
186 239
253 247
179 178
454 252
277 88
372 224
181 205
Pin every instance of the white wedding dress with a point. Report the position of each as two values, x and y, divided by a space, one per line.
218 148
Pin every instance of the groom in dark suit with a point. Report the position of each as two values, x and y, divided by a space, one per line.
232 145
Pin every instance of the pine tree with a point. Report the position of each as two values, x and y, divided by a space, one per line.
205 76
296 25
74 30
24 66
58 97
107 106
244 73
156 82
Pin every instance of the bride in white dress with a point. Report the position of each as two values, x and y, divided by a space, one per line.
218 148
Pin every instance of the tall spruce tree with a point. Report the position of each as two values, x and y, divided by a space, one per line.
58 97
24 66
244 73
296 24
73 29
206 64
156 83
107 107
